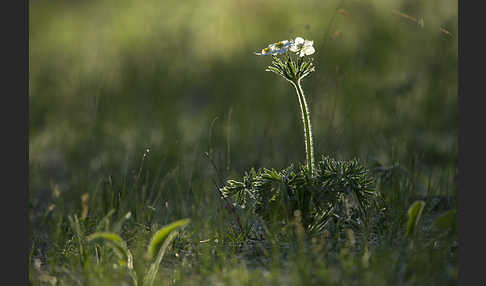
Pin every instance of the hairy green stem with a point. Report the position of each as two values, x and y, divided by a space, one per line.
309 146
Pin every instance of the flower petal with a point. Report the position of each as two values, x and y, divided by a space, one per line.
309 50
294 48
308 43
299 41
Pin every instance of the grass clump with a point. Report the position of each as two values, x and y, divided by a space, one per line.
155 252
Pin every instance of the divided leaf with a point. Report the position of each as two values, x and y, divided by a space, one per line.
338 189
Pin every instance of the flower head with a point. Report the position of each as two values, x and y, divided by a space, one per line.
302 47
290 67
299 46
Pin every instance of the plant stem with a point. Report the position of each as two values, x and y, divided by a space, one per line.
309 146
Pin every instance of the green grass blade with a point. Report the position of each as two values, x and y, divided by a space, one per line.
117 243
121 249
414 214
105 221
117 226
154 267
161 235
31 254
158 246
76 227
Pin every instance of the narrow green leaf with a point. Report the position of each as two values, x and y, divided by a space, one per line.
116 242
31 254
292 68
158 246
275 70
118 225
161 235
149 278
414 214
76 226
120 247
105 221
278 61
271 174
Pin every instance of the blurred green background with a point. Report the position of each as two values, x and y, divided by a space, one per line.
109 79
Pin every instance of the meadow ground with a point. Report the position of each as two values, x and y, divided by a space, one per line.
147 107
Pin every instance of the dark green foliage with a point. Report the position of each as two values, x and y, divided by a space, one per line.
447 222
339 190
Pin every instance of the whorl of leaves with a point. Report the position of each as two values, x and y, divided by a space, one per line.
339 189
291 70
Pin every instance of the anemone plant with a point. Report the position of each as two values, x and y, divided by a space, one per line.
293 67
323 192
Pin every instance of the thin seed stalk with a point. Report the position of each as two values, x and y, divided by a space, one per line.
309 146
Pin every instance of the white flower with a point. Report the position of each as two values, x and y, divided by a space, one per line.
275 48
297 44
302 47
307 49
